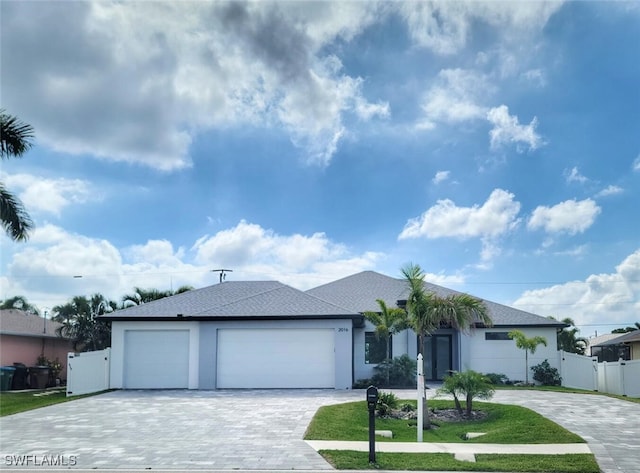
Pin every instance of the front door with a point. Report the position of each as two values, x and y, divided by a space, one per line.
437 357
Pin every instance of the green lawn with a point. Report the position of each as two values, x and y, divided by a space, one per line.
504 424
573 463
12 402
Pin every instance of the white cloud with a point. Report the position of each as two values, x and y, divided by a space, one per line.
495 217
43 269
441 176
40 194
535 76
160 72
570 216
507 130
298 259
610 298
636 164
610 190
455 97
574 175
444 27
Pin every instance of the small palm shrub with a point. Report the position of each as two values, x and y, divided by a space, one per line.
468 385
546 374
386 402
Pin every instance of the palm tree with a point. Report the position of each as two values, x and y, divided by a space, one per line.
569 341
15 140
427 311
21 303
387 322
142 296
80 323
529 345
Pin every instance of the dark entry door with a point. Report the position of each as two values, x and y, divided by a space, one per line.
437 356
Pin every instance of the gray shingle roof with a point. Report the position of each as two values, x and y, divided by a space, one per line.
633 336
244 299
20 323
360 291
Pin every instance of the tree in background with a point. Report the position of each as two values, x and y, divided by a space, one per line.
636 326
15 140
20 303
81 324
529 345
143 296
427 312
568 339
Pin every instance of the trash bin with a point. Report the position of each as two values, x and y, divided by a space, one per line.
38 377
6 376
19 377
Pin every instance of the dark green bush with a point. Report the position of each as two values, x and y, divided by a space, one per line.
545 374
362 383
400 372
497 378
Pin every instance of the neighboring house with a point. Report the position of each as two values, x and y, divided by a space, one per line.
619 347
264 334
24 337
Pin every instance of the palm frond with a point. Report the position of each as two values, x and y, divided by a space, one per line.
15 136
15 219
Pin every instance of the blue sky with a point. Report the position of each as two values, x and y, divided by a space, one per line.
496 144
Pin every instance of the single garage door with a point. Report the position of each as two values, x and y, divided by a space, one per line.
156 359
276 358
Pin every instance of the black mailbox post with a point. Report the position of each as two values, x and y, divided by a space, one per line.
372 400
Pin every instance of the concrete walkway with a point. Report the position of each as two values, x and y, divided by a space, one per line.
461 451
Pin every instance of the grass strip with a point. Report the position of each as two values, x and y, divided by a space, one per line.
570 463
14 403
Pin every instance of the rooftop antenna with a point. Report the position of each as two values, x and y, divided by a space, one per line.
223 273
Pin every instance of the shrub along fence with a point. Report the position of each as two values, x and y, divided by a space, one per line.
584 372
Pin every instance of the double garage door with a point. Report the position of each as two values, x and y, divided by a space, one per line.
246 358
276 358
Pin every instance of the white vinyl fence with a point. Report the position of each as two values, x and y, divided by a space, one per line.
579 371
620 377
584 372
88 372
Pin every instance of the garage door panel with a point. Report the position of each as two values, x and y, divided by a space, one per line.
156 359
276 358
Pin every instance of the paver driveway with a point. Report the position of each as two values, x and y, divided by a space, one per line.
175 429
262 429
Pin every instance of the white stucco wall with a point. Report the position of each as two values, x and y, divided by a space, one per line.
502 356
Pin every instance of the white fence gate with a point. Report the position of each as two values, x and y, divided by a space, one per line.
88 372
584 372
579 371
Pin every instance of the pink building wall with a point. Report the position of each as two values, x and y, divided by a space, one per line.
21 349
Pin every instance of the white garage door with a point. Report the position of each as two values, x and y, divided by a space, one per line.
156 359
276 358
